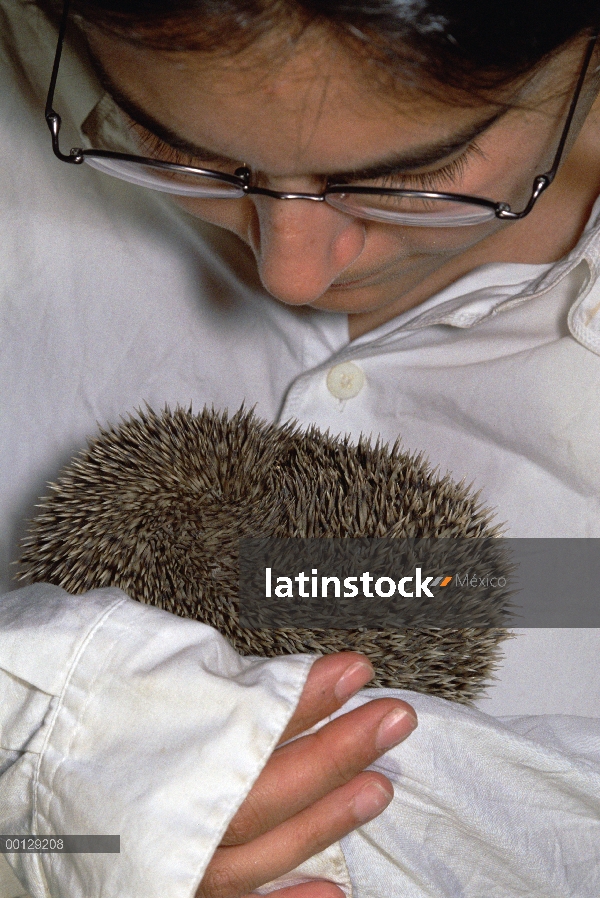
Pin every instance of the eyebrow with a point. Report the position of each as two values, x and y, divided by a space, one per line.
415 158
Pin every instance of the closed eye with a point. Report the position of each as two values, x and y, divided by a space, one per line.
446 177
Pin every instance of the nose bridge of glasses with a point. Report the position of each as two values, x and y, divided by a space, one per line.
281 195
255 184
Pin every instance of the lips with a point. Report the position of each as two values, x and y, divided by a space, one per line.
375 277
367 280
358 282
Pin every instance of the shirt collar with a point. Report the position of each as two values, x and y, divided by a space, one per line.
496 287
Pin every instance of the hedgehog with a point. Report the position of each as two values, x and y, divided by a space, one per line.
158 504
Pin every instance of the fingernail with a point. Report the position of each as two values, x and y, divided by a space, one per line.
357 676
371 801
394 727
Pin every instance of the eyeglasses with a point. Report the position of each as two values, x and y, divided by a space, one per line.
413 208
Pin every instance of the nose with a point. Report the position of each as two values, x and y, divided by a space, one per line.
302 246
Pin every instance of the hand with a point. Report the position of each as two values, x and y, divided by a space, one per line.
312 791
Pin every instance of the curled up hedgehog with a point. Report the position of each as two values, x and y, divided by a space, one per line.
158 505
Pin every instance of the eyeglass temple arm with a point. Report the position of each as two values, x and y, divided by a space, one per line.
584 67
544 181
53 119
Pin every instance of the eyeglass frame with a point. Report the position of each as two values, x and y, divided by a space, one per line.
241 177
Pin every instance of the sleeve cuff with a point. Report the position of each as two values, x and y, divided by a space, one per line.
158 734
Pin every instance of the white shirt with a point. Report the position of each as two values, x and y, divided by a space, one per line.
110 298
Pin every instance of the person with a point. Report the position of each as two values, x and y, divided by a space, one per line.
386 223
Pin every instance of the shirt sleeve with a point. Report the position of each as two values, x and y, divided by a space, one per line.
121 719
501 808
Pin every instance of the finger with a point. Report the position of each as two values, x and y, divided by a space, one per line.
319 888
305 770
332 680
235 871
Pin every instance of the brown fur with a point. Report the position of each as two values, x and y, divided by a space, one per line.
157 506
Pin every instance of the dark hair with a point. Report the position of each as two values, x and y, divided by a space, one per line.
469 46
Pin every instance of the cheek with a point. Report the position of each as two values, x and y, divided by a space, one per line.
430 242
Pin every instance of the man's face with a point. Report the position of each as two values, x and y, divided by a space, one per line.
298 120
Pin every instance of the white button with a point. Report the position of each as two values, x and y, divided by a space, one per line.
345 381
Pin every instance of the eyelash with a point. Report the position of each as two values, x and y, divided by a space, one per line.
442 177
157 148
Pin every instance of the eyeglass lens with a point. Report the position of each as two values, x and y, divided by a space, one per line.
180 183
414 211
